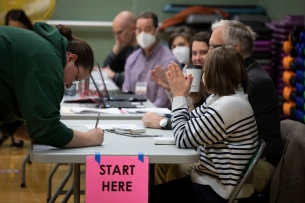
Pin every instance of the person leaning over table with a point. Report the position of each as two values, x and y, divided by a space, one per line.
16 18
35 66
224 124
262 96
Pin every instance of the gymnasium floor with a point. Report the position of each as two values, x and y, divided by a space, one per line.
35 190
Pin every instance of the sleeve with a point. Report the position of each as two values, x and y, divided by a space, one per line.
127 84
204 126
161 98
39 93
119 79
116 63
10 128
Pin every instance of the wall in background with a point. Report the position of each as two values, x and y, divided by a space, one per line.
101 39
278 8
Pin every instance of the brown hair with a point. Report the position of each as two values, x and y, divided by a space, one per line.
184 31
150 15
203 36
79 47
20 16
224 71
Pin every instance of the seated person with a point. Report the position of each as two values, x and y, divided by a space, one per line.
199 46
224 124
179 42
125 43
266 110
151 54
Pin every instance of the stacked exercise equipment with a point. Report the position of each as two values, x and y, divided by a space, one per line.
262 50
288 46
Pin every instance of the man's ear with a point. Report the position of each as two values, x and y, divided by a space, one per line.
157 32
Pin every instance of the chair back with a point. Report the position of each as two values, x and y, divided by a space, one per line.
249 170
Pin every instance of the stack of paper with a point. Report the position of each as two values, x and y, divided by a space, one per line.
164 140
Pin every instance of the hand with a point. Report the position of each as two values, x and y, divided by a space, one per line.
96 135
117 47
179 84
158 76
152 120
110 73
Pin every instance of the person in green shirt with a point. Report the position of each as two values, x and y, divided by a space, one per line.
34 68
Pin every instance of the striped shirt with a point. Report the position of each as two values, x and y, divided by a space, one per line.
224 129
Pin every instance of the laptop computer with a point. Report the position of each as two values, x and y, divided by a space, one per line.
128 96
105 101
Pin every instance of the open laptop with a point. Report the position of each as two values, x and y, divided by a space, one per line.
105 101
128 96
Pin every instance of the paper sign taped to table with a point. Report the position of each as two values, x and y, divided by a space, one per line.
116 179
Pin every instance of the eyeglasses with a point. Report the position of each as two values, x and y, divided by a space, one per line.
121 31
78 76
213 46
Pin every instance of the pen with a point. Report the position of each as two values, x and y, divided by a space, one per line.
97 120
144 135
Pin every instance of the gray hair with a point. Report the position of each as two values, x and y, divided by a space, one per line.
236 32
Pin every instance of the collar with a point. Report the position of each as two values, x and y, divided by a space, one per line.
250 61
155 49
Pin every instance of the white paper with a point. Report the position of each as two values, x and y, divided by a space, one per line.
82 110
111 126
145 110
164 140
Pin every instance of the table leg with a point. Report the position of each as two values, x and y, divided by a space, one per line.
76 183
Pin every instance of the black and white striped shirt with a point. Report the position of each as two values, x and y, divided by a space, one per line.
224 129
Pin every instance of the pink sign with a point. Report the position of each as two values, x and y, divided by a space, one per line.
116 179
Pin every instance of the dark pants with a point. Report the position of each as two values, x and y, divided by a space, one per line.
184 190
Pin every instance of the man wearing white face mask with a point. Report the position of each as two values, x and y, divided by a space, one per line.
151 54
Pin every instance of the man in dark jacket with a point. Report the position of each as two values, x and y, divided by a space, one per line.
125 43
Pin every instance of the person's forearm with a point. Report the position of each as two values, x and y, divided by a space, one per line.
80 139
119 79
21 133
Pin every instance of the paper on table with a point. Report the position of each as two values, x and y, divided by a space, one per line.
164 140
82 110
145 110
133 127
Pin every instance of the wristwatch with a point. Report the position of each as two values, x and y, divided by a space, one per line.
163 123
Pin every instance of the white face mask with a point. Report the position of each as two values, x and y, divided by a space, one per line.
182 54
146 40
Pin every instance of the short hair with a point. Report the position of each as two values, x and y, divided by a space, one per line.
20 16
236 32
224 71
79 47
184 31
150 15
